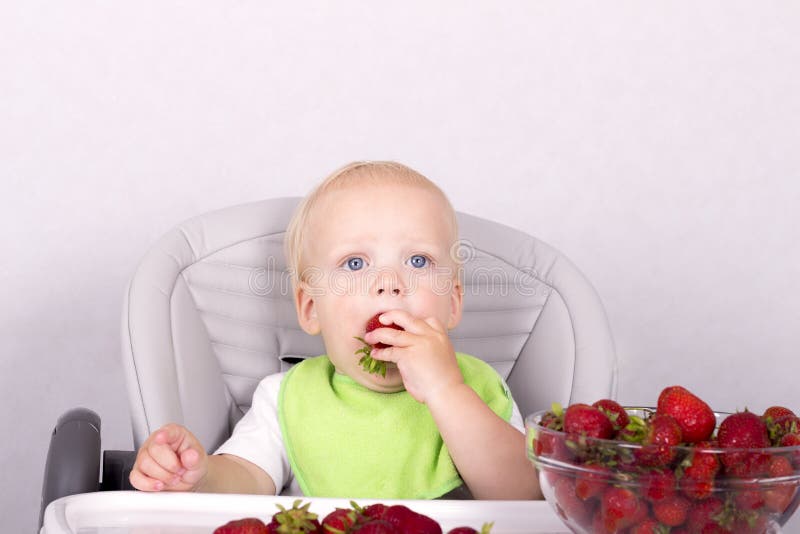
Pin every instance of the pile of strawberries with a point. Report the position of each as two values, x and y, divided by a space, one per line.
373 519
668 469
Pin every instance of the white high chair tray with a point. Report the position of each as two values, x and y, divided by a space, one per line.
132 512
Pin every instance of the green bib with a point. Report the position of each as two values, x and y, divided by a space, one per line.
344 440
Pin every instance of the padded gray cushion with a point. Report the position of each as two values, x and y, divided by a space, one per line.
209 313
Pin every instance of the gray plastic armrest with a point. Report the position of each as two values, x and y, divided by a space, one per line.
73 460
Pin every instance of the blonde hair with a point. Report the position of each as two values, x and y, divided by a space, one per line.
355 173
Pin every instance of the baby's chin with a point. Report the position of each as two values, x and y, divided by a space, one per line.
391 383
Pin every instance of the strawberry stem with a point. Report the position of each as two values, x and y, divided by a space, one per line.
367 362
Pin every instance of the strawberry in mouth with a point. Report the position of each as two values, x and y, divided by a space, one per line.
367 362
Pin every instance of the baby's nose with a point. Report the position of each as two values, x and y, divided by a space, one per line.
388 284
393 291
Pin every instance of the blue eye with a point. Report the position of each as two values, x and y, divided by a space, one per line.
355 264
418 261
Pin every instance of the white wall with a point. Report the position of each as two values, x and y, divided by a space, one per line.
653 143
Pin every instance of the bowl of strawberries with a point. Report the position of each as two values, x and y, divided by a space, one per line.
676 467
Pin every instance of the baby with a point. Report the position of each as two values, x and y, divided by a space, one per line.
374 237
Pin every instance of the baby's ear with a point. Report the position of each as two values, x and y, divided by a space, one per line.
456 304
305 305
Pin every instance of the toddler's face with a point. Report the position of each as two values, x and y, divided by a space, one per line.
372 249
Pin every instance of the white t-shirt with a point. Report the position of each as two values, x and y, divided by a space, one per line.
257 437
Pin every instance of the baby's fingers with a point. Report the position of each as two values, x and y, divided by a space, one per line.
143 482
148 475
165 457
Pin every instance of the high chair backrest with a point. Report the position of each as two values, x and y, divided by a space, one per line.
209 313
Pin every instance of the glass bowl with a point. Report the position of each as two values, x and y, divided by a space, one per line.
599 485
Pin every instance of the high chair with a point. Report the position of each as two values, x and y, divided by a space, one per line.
209 312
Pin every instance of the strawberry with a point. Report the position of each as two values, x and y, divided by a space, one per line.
339 521
485 529
661 435
671 511
693 415
551 444
742 430
781 426
407 520
705 515
649 526
295 520
792 440
568 505
248 525
698 471
374 511
778 496
376 526
749 498
367 362
751 523
615 413
585 420
773 412
620 508
658 484
592 481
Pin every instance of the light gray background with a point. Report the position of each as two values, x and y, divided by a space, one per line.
656 144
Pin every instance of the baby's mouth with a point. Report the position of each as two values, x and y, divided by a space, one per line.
367 362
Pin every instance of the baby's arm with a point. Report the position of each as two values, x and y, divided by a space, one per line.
489 453
172 459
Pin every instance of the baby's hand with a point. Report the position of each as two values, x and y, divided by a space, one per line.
172 459
422 351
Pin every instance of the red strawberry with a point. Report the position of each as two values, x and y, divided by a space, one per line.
773 412
742 430
375 323
658 484
375 511
781 426
792 440
339 521
778 496
568 505
407 520
751 523
648 526
704 515
694 416
620 508
699 470
585 420
615 413
295 520
671 511
661 435
248 525
376 526
592 481
749 499
549 444
367 362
